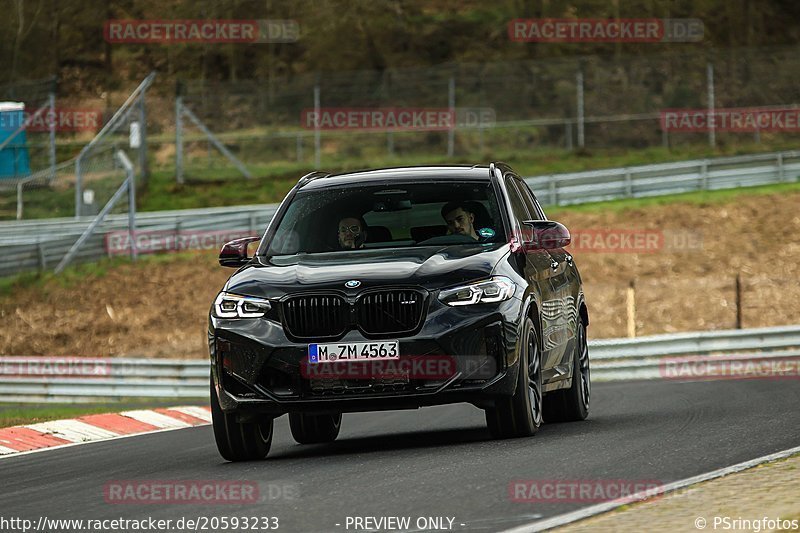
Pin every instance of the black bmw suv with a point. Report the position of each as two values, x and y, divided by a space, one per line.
398 288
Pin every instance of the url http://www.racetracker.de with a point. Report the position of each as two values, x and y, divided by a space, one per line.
45 524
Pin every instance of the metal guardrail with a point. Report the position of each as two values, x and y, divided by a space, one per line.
612 360
702 342
40 244
676 368
667 178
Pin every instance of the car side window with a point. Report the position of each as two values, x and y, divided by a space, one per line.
517 205
530 201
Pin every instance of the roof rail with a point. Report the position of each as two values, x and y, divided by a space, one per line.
312 176
493 169
499 166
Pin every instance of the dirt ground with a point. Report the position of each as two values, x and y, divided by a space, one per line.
685 281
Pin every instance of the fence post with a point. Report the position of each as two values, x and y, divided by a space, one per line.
704 175
628 183
19 201
580 103
131 205
316 128
451 104
780 167
78 186
179 139
553 191
52 125
631 309
42 257
738 300
143 167
712 138
389 143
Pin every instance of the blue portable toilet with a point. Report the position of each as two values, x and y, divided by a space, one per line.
14 157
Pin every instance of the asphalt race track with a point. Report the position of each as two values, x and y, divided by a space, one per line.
435 462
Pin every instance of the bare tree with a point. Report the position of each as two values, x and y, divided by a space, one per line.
21 34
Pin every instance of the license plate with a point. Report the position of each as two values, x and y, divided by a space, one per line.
354 351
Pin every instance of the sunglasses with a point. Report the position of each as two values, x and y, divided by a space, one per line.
352 229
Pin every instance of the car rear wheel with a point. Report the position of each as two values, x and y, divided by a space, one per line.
314 429
572 404
240 441
521 414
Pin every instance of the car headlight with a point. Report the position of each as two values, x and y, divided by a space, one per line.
497 289
229 305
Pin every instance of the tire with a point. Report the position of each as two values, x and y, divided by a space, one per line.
239 441
314 429
572 404
520 415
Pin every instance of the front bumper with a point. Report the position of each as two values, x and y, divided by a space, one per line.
257 368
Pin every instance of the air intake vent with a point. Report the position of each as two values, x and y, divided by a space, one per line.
317 315
391 311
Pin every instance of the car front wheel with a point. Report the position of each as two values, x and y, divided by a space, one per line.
572 404
521 414
240 441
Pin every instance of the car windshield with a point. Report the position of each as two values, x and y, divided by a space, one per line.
388 215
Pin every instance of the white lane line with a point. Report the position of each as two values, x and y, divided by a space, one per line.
4 450
586 512
197 412
156 419
72 430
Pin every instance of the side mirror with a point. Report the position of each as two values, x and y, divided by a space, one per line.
544 235
234 253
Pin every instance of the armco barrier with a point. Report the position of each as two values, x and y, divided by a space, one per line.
611 360
41 244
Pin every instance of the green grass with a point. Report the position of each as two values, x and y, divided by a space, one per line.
216 183
14 414
213 181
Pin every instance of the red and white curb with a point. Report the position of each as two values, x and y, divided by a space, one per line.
29 438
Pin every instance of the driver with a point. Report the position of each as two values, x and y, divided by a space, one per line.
352 232
460 220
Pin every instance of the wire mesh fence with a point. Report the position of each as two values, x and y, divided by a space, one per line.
493 110
592 102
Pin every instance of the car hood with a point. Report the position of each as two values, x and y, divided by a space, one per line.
429 267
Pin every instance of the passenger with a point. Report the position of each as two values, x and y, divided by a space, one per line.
460 220
352 233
